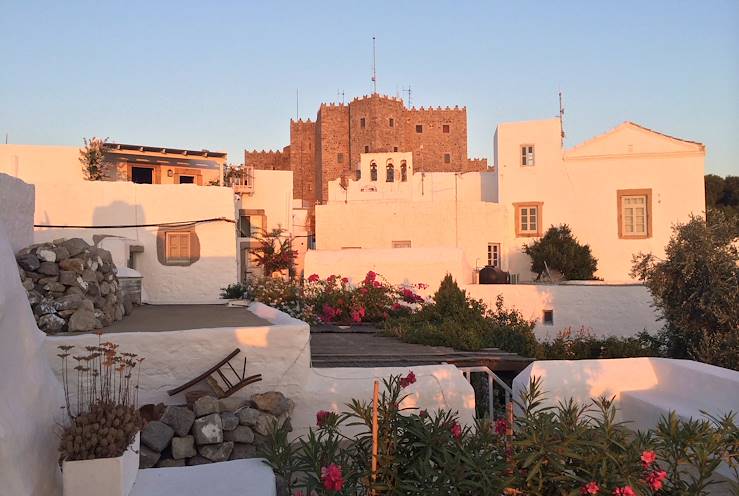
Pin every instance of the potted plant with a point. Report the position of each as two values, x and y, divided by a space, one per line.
99 448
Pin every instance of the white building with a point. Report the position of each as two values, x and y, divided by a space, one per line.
620 193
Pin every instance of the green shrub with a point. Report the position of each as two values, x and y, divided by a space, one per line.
583 345
453 319
235 291
696 288
560 251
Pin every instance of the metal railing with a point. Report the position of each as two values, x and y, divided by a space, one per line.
492 380
243 180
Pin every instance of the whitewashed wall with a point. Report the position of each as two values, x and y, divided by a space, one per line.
396 265
31 397
122 203
36 163
281 353
16 211
610 310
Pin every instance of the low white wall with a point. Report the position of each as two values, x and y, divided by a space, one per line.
31 395
281 353
397 265
603 309
16 211
41 163
644 388
97 203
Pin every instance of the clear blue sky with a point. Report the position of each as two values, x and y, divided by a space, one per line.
222 75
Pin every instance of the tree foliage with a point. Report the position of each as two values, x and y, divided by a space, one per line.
274 251
722 194
95 167
696 288
560 251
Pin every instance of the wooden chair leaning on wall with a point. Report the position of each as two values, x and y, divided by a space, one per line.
219 371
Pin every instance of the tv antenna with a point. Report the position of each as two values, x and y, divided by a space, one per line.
374 66
561 119
407 90
340 94
297 103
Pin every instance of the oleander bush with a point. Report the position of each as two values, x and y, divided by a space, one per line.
584 345
568 449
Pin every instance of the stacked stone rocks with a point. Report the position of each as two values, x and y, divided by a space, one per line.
71 286
212 430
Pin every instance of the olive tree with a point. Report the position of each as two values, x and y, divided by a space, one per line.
696 289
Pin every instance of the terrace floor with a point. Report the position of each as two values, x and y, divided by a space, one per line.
365 348
148 318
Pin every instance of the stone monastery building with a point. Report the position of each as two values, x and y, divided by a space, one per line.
322 150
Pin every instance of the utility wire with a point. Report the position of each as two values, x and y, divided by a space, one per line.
160 224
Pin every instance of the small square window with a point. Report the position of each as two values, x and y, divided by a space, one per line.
178 246
340 158
366 148
395 148
392 122
548 317
527 155
419 128
362 123
445 128
447 158
528 219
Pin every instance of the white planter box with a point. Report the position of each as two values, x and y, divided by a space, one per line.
103 476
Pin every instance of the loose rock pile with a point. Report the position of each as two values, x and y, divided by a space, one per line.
71 286
212 430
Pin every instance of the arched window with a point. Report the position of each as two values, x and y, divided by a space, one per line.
373 171
403 171
390 173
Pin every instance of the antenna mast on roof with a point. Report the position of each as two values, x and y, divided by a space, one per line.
561 120
374 66
408 90
297 104
340 94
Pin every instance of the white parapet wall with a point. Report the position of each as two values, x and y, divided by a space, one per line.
643 388
281 353
31 395
396 265
602 309
16 211
106 203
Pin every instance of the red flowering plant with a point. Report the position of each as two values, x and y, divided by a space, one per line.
335 300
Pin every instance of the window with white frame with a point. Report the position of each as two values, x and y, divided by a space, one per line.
527 155
528 219
494 254
635 210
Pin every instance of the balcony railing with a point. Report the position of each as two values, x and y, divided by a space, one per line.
242 181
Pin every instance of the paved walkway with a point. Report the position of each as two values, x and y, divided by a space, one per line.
148 318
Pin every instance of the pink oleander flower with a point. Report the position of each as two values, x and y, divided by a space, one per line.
313 278
407 293
423 413
501 426
408 380
395 307
654 479
329 312
330 279
648 458
456 430
363 290
421 285
332 478
376 284
590 488
344 280
371 275
322 418
624 491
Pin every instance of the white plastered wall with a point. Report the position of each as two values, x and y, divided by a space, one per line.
281 353
36 163
604 310
97 203
579 187
16 211
31 395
